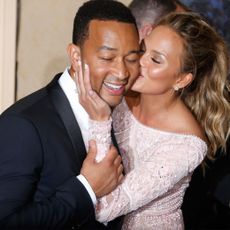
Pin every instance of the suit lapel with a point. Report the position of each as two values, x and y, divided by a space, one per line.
114 141
63 108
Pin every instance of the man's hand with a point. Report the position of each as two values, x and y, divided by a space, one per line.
105 175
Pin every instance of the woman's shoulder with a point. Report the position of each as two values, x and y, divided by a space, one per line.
191 126
185 122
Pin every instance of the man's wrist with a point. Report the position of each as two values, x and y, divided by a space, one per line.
88 187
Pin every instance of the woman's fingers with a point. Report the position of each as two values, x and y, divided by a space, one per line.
87 82
80 80
94 105
90 93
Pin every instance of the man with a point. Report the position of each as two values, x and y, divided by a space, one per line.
148 12
46 180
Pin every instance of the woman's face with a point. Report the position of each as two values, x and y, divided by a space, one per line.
160 63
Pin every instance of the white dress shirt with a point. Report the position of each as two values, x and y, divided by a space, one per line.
69 87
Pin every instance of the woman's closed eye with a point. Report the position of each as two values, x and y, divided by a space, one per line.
156 60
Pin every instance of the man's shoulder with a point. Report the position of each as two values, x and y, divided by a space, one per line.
26 103
37 102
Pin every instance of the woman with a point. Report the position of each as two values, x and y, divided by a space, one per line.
180 114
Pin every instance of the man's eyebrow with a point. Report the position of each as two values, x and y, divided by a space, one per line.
106 48
115 49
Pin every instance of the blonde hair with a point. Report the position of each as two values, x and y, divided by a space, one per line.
206 57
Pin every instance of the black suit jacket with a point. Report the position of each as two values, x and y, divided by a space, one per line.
207 200
41 153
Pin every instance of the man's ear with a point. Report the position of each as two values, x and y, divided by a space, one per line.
184 80
74 54
145 30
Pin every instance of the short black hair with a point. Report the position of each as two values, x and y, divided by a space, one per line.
150 11
99 10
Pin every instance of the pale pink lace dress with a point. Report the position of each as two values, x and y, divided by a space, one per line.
158 167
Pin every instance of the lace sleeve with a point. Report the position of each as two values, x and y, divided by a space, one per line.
100 131
146 182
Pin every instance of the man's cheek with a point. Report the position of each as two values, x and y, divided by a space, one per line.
97 86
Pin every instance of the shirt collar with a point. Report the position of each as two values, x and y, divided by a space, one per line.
70 89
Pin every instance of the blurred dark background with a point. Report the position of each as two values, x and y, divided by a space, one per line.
207 200
217 12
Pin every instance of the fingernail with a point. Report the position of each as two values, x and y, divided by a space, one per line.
86 66
90 92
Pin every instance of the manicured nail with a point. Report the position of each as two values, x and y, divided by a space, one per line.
91 92
86 66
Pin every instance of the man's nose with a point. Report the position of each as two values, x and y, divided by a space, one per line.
121 70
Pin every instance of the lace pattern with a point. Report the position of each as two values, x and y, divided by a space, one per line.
101 133
158 168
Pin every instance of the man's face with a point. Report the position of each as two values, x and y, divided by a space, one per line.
112 53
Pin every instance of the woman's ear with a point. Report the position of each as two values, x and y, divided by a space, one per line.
74 54
184 80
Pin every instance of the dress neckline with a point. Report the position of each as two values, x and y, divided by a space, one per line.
163 132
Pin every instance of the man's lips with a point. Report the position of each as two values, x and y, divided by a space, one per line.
116 89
